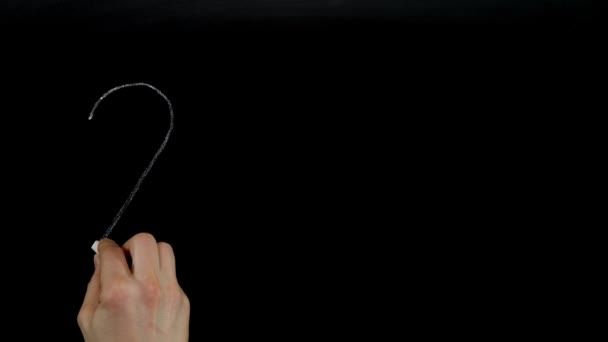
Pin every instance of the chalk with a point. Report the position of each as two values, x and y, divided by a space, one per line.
94 247
162 147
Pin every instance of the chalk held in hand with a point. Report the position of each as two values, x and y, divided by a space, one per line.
94 247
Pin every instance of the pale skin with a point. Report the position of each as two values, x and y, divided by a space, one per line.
140 303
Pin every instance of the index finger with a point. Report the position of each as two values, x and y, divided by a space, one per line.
112 262
143 249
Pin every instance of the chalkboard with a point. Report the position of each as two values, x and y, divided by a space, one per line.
308 136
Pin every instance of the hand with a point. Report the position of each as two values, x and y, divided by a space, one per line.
143 302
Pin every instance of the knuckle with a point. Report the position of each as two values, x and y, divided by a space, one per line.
151 289
81 319
111 250
173 295
185 301
144 239
151 293
174 298
165 246
105 243
118 294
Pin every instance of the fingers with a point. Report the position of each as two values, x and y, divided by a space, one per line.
112 262
91 298
167 260
144 256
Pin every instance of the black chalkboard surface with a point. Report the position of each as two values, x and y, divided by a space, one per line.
167 14
310 137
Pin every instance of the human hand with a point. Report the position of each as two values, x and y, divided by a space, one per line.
143 302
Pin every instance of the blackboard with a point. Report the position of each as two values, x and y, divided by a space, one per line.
300 128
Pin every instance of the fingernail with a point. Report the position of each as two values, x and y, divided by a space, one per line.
96 260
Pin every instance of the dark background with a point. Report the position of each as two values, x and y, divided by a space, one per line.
300 127
190 14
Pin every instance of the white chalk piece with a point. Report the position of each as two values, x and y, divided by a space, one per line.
94 247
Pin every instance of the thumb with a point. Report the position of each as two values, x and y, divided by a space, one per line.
91 298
